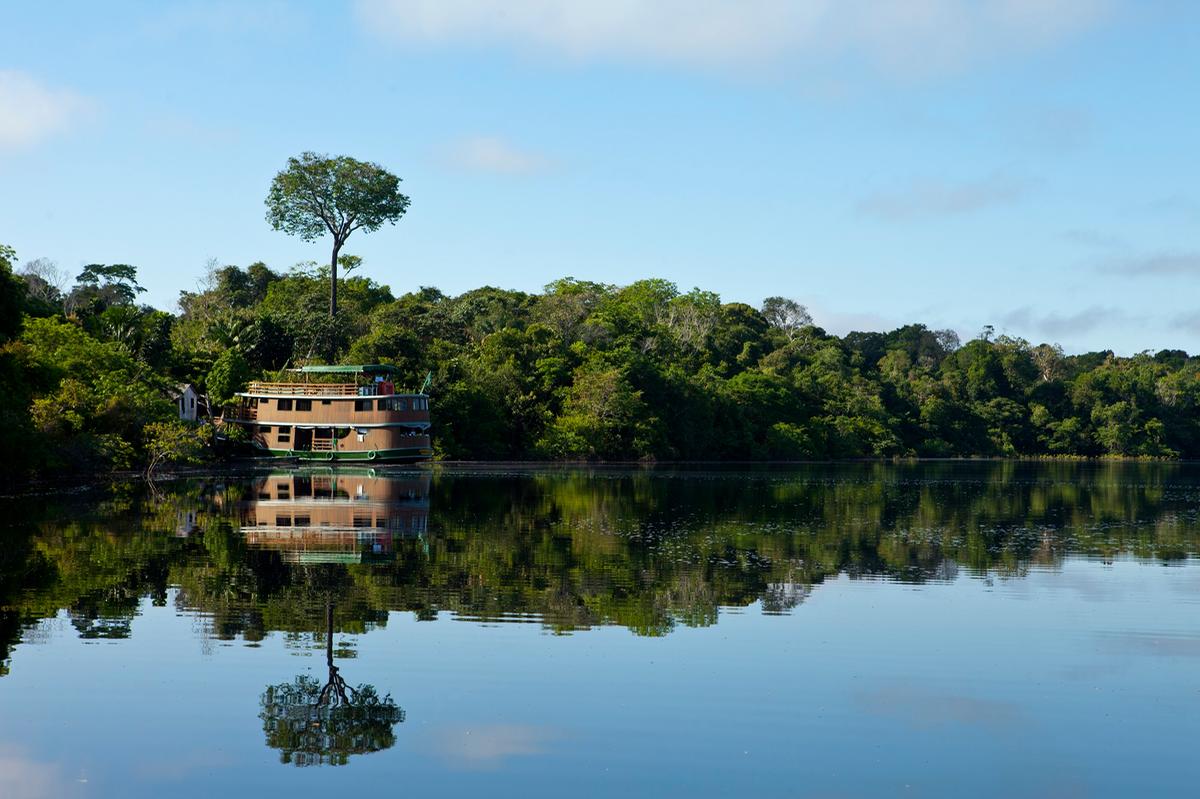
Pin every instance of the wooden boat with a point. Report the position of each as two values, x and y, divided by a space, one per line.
364 419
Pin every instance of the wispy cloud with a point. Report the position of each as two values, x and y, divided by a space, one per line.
1175 206
22 777
487 746
923 708
493 154
1024 321
907 36
1094 239
932 198
1161 264
1187 322
31 111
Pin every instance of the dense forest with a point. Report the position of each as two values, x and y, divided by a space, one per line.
582 370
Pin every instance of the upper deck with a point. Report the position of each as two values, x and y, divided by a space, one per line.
258 388
372 401
368 380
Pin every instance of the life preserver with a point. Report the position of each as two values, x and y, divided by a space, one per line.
371 455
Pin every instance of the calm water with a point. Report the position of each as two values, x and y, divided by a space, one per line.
941 629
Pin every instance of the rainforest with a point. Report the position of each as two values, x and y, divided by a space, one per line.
578 371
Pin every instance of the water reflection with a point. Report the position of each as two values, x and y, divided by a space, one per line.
314 724
1055 613
567 548
334 516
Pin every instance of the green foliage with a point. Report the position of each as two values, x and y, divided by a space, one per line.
101 286
175 442
312 725
317 195
228 375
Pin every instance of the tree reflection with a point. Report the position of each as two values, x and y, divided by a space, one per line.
313 724
572 548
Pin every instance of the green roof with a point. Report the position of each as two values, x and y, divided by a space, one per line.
361 368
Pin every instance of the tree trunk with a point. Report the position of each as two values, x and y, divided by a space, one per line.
333 281
329 634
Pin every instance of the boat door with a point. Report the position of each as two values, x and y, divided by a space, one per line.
304 438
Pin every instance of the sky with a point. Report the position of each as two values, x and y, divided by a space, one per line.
1023 164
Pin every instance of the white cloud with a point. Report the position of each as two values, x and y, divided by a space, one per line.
942 198
910 36
30 111
492 154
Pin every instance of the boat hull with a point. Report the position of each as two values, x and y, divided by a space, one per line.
406 455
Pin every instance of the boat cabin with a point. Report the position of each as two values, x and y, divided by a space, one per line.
335 413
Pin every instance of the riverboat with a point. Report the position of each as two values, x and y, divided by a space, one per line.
363 417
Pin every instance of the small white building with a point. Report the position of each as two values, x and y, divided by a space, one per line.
189 402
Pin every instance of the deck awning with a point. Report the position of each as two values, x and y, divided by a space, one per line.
347 369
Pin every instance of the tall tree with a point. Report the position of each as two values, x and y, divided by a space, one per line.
317 194
786 315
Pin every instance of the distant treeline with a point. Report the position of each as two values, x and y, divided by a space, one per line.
580 371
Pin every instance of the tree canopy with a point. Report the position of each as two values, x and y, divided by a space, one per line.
315 195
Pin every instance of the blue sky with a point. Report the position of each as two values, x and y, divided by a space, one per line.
1025 164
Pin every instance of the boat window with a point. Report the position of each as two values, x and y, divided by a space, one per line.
254 401
283 521
285 405
325 402
285 435
302 521
303 405
264 428
364 405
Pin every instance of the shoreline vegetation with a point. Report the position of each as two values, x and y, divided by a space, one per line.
581 372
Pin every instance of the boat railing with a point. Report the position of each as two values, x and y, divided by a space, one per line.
313 389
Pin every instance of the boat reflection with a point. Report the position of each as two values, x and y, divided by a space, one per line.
335 516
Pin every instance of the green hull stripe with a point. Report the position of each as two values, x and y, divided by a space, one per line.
413 453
